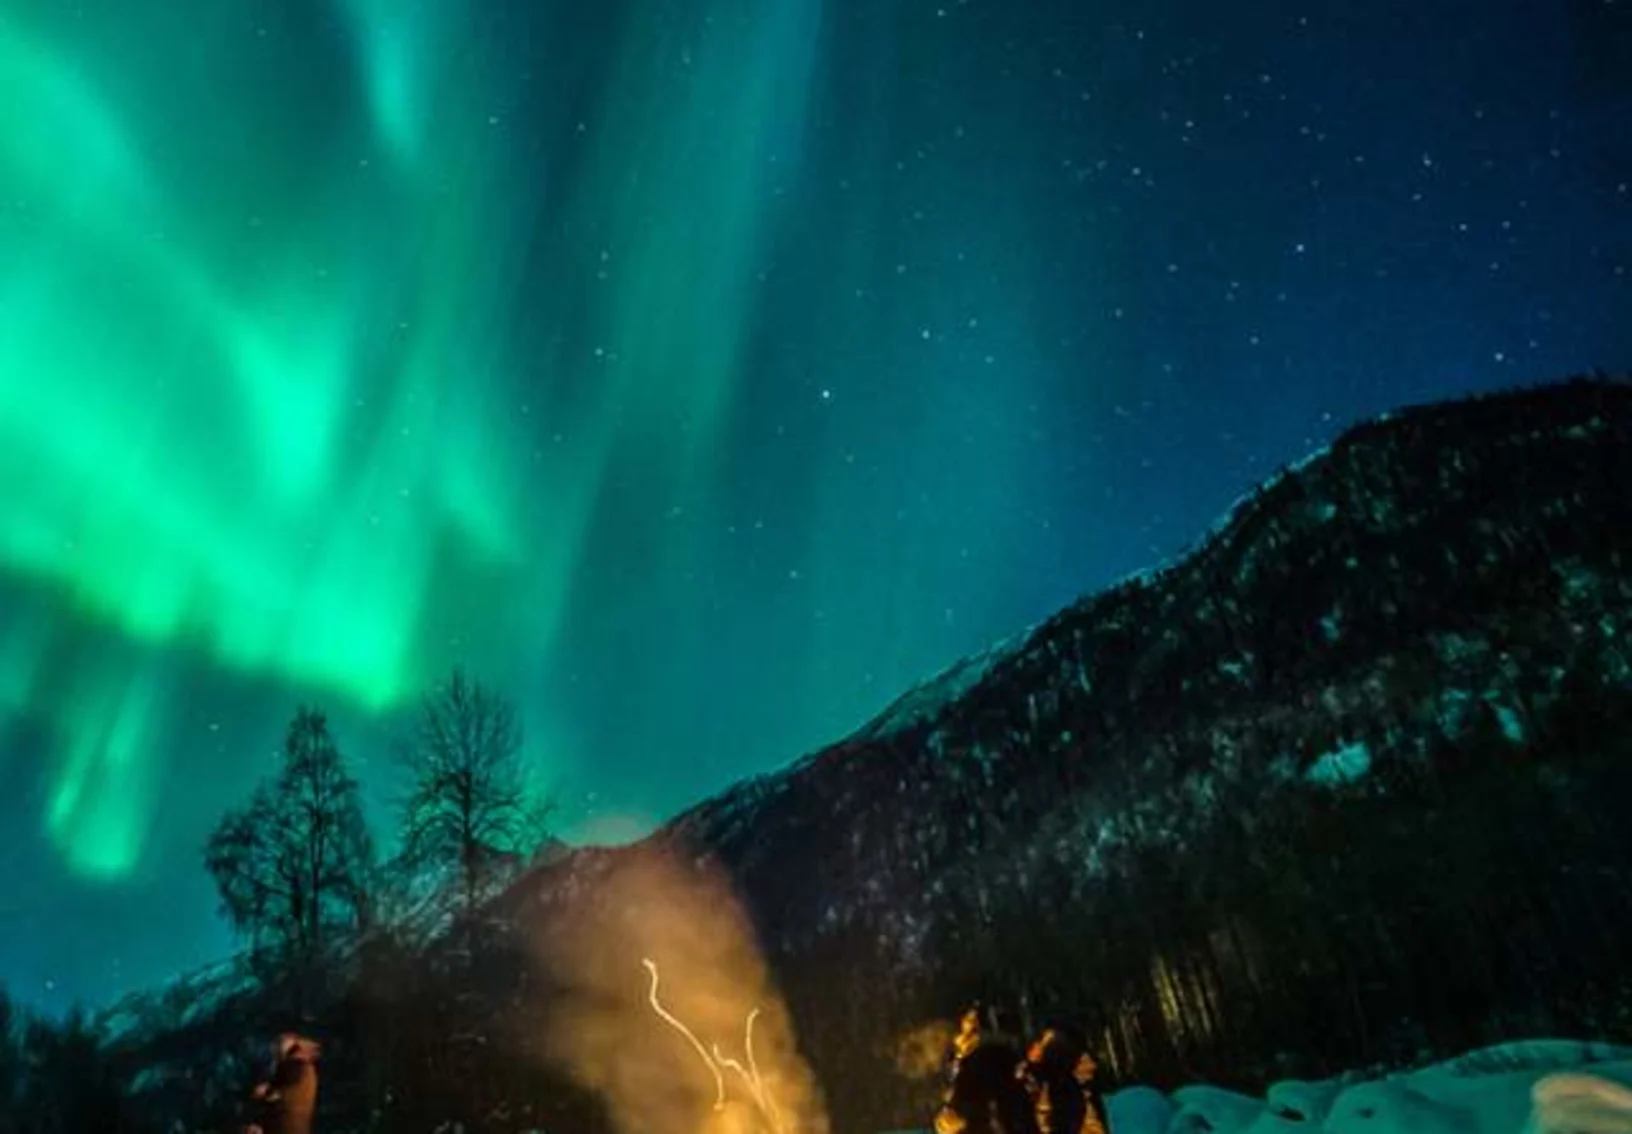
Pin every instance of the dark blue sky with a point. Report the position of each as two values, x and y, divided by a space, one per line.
699 372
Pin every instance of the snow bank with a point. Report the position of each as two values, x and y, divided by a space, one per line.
1138 1110
1213 1110
1433 1101
1580 1103
1527 1087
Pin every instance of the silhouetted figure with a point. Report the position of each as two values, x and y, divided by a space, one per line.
289 1097
967 1037
1094 1119
1057 1098
987 1095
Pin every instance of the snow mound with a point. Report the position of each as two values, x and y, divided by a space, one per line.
1540 1086
1578 1103
1138 1110
1434 1101
1296 1105
1213 1110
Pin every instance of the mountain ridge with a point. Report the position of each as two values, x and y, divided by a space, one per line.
1430 582
1225 539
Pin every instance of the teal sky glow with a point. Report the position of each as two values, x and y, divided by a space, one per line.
700 373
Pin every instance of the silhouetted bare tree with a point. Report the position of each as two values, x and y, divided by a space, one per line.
470 808
293 865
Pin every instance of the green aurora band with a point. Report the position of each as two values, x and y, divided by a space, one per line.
258 396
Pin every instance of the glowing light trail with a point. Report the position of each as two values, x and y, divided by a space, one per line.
718 1062
674 1022
750 1074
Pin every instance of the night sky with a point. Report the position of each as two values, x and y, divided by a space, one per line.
701 373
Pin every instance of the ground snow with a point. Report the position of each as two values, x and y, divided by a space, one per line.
1576 1103
1205 1110
1293 1106
1531 1087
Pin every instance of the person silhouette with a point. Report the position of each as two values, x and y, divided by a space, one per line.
289 1098
986 1095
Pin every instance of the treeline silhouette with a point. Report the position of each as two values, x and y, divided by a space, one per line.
389 961
55 1076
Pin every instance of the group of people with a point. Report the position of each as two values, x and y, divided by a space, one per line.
995 1088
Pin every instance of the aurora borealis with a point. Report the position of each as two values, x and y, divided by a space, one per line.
699 372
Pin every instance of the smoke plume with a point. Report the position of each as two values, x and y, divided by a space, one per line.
921 1053
666 1009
